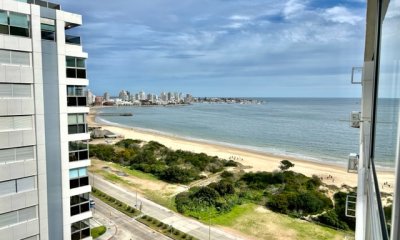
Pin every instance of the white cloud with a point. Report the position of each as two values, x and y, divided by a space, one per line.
293 8
341 14
239 18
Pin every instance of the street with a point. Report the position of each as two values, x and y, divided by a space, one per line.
184 224
119 226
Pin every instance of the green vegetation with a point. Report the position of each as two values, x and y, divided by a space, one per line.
165 229
97 231
115 203
154 158
282 191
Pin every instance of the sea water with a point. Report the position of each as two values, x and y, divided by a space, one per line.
308 128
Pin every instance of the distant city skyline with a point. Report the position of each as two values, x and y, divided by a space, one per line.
224 48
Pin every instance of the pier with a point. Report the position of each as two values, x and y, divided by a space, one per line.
115 114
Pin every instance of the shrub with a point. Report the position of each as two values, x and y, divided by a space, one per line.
330 218
285 165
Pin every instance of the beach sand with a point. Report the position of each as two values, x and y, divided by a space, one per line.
254 161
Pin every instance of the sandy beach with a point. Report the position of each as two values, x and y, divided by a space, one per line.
254 161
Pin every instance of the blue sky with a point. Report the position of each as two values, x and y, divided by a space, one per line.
264 48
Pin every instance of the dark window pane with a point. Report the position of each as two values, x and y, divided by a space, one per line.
81 73
72 129
75 226
71 73
81 128
71 102
76 236
83 155
84 207
4 29
48 35
70 61
86 233
75 210
82 101
84 181
17 31
74 200
73 157
74 183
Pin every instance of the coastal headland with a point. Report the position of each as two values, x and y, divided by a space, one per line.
252 160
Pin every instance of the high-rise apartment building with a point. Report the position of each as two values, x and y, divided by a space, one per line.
44 185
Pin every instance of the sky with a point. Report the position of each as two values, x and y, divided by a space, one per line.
238 48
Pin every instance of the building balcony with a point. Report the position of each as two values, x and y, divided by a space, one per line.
42 4
75 40
74 101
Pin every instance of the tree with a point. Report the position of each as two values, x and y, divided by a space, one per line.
285 165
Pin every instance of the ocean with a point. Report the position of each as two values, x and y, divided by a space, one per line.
308 128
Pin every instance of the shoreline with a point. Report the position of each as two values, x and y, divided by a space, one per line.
254 160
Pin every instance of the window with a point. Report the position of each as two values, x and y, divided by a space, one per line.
78 177
17 185
48 29
76 67
79 204
78 151
19 216
77 123
11 90
80 230
7 187
16 154
76 96
16 123
15 57
14 24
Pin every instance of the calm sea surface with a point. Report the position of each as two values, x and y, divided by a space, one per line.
314 129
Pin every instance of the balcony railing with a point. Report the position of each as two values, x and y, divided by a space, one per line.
75 40
42 4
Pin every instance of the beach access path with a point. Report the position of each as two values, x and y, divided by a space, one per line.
184 224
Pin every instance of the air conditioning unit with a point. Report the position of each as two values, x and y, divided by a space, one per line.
355 119
352 166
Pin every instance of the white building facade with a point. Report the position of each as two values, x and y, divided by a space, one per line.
44 186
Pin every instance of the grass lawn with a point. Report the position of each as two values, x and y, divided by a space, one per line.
97 231
261 223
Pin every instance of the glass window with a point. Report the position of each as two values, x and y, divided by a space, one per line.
3 18
22 90
80 62
6 90
23 122
73 173
25 184
19 20
6 124
27 214
8 219
72 119
5 56
78 145
81 118
7 155
82 172
70 62
21 58
70 91
7 187
24 153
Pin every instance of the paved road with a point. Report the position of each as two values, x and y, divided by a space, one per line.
121 227
159 212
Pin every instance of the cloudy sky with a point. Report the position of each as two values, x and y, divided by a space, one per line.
264 48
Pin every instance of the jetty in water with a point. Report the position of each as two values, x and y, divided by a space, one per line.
115 114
